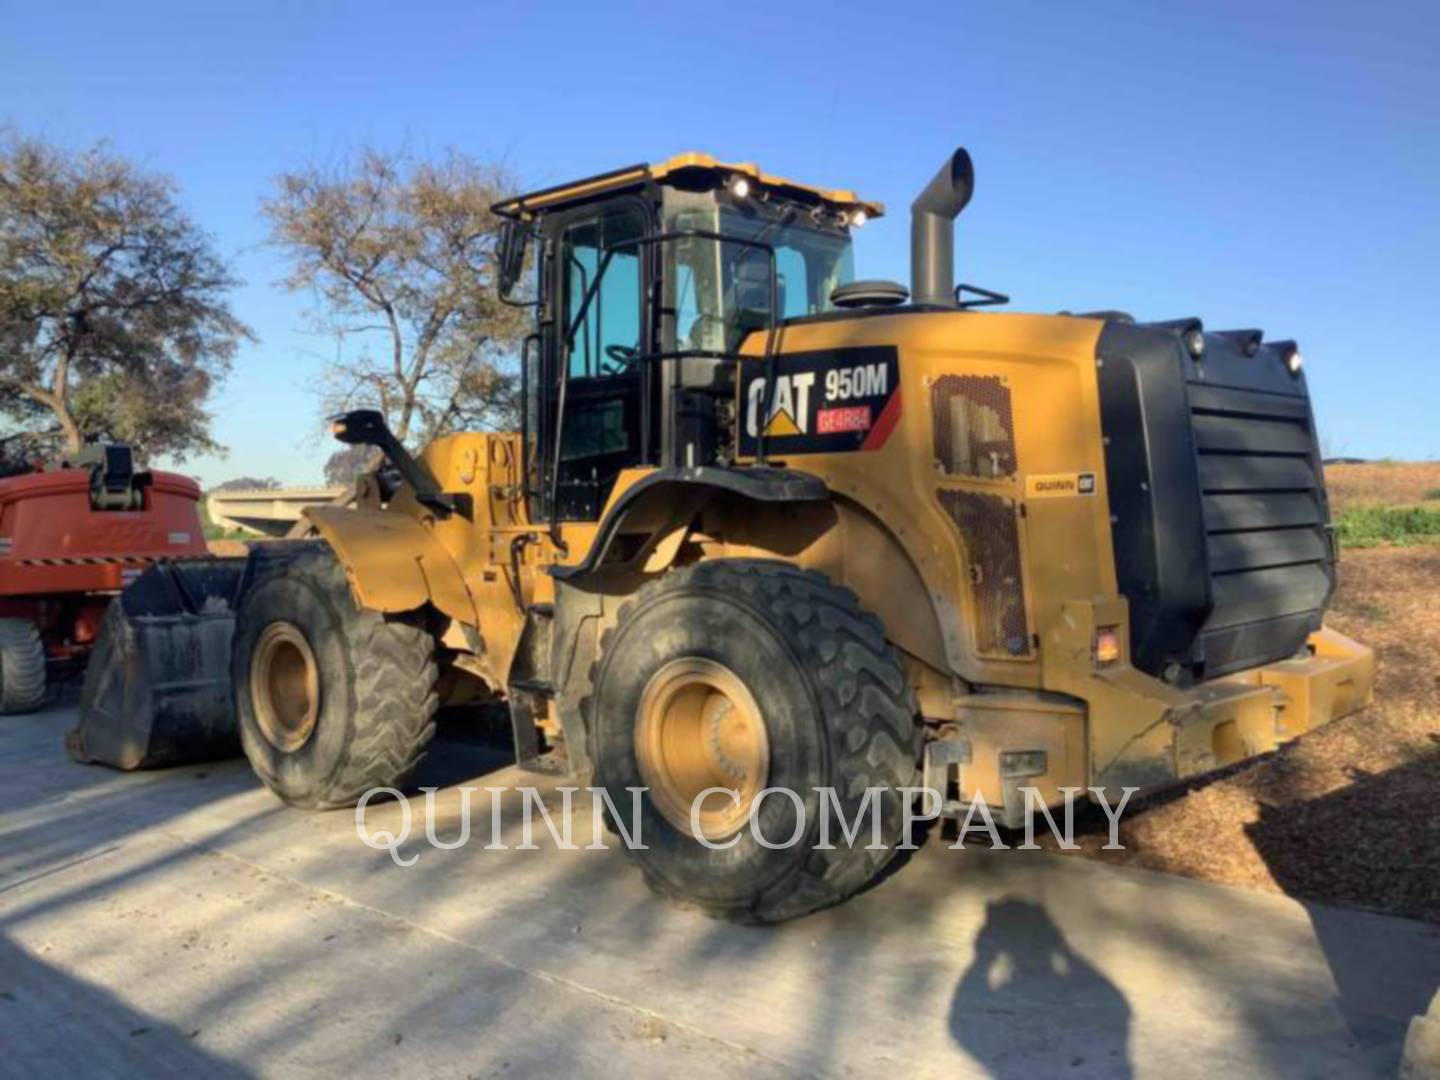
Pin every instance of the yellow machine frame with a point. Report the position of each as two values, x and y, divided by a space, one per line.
1064 708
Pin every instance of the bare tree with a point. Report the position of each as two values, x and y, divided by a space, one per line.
346 464
400 254
113 310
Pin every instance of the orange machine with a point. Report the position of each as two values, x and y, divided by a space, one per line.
72 536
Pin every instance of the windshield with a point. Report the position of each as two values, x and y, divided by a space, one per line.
720 291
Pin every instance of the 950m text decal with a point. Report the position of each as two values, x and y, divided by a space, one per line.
829 401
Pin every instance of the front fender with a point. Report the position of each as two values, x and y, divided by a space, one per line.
394 563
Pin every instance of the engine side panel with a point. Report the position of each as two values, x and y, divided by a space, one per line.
978 447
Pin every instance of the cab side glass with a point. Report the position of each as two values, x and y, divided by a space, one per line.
606 339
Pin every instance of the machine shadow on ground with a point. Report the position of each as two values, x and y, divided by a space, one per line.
1292 840
118 1040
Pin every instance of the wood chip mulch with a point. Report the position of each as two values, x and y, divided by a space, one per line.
1347 814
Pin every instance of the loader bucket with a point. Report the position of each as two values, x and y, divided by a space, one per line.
157 687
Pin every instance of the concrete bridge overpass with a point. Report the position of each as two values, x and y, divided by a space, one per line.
268 511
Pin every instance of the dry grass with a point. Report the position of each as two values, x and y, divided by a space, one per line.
1383 483
1346 814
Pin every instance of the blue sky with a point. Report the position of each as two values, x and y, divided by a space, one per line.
1257 164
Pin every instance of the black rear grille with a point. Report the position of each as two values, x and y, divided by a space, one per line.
1221 527
1263 500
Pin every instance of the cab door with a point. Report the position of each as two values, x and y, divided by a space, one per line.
595 379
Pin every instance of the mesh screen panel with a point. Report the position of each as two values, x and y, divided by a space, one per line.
974 427
992 539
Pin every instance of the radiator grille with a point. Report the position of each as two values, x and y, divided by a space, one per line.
974 427
991 533
1265 518
1217 499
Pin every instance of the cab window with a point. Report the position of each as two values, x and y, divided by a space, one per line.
607 341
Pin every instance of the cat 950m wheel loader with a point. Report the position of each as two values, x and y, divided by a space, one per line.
767 526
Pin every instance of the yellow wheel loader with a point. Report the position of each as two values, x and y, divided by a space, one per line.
767 526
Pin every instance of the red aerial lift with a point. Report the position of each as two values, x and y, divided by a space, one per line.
72 535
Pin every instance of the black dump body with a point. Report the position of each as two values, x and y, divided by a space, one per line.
1221 524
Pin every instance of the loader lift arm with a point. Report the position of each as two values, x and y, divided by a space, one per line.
367 427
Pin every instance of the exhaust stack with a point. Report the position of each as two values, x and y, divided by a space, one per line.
932 231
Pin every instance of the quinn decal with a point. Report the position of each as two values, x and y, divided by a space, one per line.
824 402
1058 485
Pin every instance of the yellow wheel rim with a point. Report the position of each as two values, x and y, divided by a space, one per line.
284 686
699 727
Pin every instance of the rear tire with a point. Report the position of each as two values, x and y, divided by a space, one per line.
714 645
333 699
22 667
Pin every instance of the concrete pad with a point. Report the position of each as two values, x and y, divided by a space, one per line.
235 934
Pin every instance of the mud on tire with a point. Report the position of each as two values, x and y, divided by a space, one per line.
837 713
375 676
22 667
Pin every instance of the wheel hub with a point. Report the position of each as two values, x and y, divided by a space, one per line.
284 686
699 727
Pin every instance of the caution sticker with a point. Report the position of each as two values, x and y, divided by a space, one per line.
1059 485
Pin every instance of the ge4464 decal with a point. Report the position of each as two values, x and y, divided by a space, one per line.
824 402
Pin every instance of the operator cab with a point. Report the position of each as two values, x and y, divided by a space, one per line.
646 282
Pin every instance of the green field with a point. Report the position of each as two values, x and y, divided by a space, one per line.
1369 526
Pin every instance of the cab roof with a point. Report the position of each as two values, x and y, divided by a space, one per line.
692 170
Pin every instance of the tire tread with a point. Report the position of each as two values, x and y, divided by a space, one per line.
22 667
869 709
394 684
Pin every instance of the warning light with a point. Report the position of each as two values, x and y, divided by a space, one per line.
1107 645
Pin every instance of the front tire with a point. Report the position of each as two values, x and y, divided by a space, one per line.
22 667
751 674
333 699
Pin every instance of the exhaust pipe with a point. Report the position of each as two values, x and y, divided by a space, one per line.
932 231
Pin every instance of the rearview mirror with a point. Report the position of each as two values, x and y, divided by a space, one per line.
514 238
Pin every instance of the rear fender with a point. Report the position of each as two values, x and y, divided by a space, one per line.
394 563
772 513
670 497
